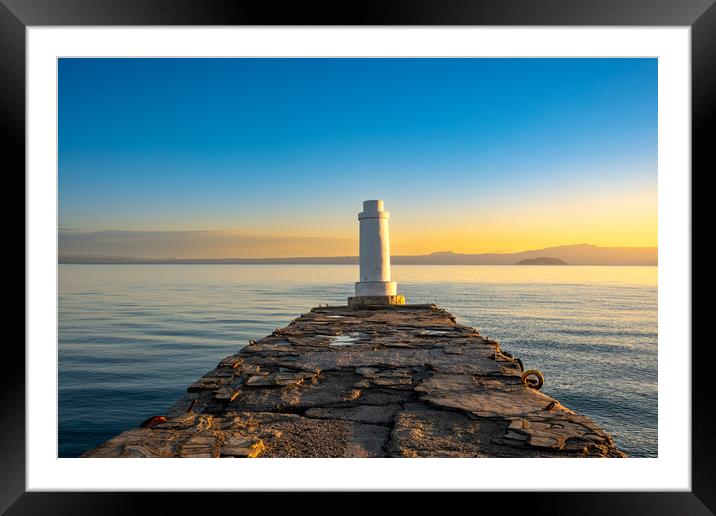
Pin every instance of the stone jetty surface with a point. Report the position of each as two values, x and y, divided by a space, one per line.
390 381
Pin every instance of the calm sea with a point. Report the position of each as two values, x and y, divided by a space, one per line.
133 337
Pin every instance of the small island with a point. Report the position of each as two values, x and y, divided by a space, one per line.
542 260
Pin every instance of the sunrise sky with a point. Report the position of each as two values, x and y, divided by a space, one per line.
209 158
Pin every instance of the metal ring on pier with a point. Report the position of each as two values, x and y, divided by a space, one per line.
534 383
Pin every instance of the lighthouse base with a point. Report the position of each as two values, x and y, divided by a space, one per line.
376 288
376 300
373 293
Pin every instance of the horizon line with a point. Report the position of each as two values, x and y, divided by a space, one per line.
609 254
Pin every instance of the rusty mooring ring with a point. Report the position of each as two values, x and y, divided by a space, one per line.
534 383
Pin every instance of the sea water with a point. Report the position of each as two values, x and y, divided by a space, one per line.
133 337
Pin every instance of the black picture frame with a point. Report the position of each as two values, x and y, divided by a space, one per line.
700 15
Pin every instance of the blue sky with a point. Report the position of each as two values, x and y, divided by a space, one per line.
292 146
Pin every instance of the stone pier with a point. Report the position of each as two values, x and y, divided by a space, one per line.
366 381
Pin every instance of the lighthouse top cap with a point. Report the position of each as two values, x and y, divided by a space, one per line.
375 205
373 209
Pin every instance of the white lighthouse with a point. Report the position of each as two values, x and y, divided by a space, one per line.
375 287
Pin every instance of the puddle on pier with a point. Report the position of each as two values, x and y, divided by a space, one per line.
345 340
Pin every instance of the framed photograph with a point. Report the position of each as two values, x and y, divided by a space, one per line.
409 248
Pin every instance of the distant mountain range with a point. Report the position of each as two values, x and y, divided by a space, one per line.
579 254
